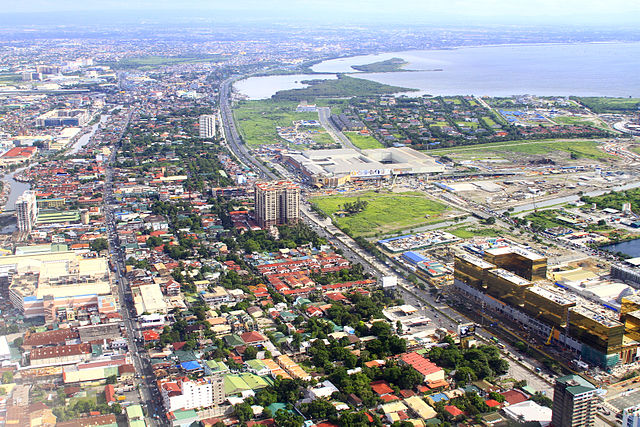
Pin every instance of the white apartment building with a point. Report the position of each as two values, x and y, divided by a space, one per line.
184 393
26 210
631 417
207 126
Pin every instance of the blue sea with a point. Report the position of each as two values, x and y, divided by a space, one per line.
581 69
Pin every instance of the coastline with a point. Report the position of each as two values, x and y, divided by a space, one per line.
458 77
459 47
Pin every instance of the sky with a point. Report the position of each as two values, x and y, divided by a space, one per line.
552 12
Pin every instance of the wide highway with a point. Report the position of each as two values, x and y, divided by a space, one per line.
233 137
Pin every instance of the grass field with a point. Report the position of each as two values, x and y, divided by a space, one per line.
582 149
489 121
257 120
323 138
472 125
469 232
385 213
7 79
607 105
363 142
580 121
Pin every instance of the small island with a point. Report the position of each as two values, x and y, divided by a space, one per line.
342 87
390 65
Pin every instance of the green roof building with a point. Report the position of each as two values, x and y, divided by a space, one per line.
183 418
237 383
233 340
135 417
217 367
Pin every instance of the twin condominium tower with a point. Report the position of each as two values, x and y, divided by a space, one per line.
277 203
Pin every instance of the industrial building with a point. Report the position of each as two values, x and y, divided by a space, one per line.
332 168
629 273
56 118
57 285
511 281
207 126
277 203
17 155
148 298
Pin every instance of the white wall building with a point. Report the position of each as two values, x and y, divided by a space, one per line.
207 126
631 417
26 210
184 393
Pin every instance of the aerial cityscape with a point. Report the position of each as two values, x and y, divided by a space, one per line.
318 213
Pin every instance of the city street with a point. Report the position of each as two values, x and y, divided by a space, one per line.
148 395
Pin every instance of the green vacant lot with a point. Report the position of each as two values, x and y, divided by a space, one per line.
610 105
363 142
257 120
469 232
10 78
580 121
581 149
385 213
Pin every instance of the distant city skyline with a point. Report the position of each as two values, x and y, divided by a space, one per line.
486 12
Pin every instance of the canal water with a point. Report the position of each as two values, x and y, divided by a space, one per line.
17 188
8 220
84 139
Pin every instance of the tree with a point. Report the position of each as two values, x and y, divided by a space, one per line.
356 419
496 396
465 375
250 353
285 418
490 221
7 377
542 400
98 245
112 379
319 409
243 412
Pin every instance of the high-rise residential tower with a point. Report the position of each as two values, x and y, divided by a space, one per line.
26 210
207 126
277 203
574 402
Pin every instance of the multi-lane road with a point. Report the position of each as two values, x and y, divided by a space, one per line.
323 116
232 136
